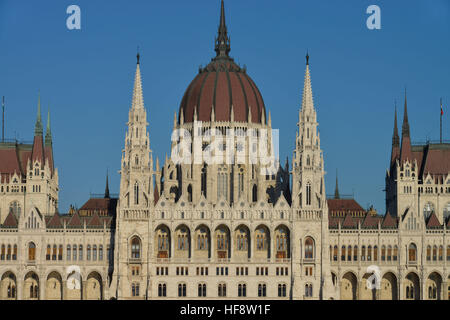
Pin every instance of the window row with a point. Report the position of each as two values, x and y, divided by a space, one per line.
222 290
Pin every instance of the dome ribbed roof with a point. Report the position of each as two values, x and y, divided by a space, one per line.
222 86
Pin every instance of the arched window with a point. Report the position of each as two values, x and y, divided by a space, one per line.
441 249
31 251
69 252
355 253
135 289
335 253
363 253
182 290
74 247
14 257
261 290
88 256
349 253
222 290
80 252
202 290
428 253
94 252
189 191
383 253
255 193
375 253
135 248
100 252
60 252
242 290
309 248
369 253
242 239
308 193
261 239
204 180
343 253
162 290
282 290
136 193
308 290
412 253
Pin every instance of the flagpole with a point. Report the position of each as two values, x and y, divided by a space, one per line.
441 122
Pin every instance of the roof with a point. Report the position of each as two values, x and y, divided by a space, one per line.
340 207
14 158
433 158
222 87
10 221
389 221
433 222
101 206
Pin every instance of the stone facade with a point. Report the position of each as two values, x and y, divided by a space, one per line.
238 227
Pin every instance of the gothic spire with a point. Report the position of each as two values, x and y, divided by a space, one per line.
38 130
222 46
138 99
336 190
405 125
307 100
107 186
405 152
48 133
395 137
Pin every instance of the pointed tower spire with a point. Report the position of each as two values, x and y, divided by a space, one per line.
405 125
395 137
336 191
138 99
222 46
38 130
107 186
395 152
307 100
48 133
405 152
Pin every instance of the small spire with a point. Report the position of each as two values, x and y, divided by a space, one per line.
405 125
395 137
38 130
48 133
107 186
336 191
307 58
222 43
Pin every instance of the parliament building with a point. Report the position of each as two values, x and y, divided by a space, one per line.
218 219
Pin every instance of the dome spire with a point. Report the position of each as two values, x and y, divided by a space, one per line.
222 43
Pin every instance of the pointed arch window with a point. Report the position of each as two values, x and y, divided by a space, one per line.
309 248
135 248
308 193
136 193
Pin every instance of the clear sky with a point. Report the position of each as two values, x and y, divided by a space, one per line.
86 77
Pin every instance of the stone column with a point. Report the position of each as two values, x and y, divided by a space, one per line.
19 288
64 290
83 290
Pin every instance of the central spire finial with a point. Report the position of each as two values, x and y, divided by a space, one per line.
222 46
137 55
307 58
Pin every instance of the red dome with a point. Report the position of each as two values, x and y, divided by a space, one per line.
220 85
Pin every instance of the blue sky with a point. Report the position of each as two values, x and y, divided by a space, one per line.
86 76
